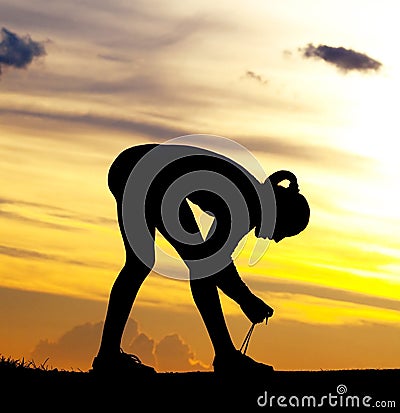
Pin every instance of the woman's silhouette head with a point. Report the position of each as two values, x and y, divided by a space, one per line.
292 209
292 213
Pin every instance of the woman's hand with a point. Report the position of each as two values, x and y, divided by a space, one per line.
255 309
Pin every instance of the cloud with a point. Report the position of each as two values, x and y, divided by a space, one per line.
258 78
36 255
173 354
140 25
113 58
23 253
51 211
77 347
329 293
159 132
17 51
36 222
143 346
339 160
74 350
345 60
151 129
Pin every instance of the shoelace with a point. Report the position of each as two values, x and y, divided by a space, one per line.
246 340
135 358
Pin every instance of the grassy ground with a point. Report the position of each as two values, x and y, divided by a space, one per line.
27 385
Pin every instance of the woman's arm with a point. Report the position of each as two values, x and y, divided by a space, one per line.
229 281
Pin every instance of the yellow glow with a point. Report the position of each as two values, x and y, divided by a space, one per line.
338 133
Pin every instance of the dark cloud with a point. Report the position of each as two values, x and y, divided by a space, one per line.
18 51
113 58
77 347
143 346
286 344
344 59
258 78
74 350
173 354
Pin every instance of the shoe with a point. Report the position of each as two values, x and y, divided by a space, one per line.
238 364
122 363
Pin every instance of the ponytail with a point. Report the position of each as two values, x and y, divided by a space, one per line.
283 175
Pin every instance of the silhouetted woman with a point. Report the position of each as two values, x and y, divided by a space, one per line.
151 184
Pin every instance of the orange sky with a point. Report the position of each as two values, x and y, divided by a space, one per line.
137 72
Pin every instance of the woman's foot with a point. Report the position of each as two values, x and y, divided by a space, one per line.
237 363
120 363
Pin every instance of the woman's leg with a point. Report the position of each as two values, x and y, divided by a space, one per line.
206 297
123 295
204 289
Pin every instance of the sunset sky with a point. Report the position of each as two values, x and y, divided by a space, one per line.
304 85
